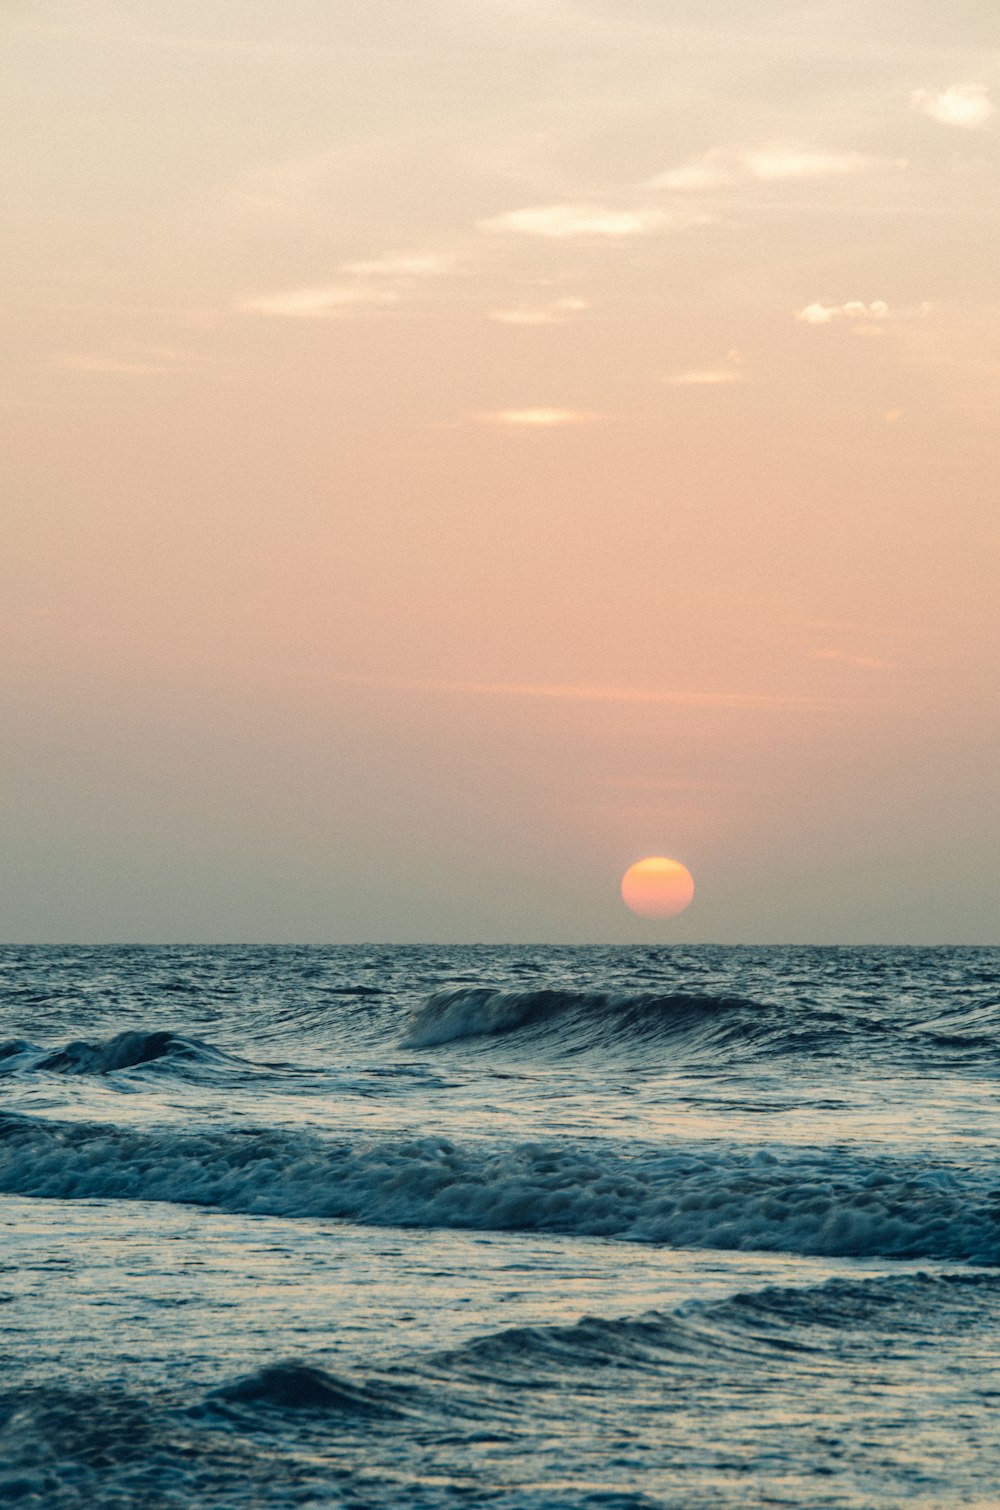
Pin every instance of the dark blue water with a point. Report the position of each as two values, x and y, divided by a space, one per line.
512 1227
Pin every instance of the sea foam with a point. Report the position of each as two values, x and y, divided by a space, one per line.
831 1202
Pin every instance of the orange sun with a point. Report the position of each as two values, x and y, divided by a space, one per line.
657 887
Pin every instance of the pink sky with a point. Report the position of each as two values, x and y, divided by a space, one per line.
452 451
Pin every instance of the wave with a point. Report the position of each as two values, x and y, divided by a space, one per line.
693 1024
776 1326
596 1412
105 1056
95 1443
704 1025
481 1012
824 1203
300 1386
775 1321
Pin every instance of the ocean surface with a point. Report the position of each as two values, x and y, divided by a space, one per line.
516 1227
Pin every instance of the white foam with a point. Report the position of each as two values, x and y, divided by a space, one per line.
818 1203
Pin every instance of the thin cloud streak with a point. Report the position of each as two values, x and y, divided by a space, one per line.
327 302
569 692
556 312
540 419
724 167
559 221
705 377
709 377
430 266
376 283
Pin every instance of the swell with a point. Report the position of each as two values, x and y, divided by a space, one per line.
296 1386
831 1203
776 1320
574 1022
707 1026
797 1364
481 1012
771 1331
748 1329
106 1056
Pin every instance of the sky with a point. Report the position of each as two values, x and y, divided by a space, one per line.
453 449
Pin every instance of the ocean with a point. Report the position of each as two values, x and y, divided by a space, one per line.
521 1227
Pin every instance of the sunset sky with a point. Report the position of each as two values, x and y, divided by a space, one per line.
456 448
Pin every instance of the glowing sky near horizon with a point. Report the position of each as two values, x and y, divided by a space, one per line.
450 450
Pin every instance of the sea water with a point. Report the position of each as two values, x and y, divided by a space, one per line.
517 1227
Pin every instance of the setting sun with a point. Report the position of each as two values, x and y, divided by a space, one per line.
657 887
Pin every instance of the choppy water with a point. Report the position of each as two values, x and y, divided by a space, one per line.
520 1227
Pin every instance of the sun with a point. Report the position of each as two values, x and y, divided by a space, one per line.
657 887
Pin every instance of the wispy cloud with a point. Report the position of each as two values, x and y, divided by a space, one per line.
722 375
964 105
431 265
326 302
713 170
704 377
567 220
571 692
366 285
555 312
777 163
544 419
146 361
722 167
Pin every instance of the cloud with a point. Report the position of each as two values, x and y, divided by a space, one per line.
326 302
854 309
556 312
371 284
723 167
704 377
965 105
713 170
777 164
563 220
429 266
569 692
709 377
545 419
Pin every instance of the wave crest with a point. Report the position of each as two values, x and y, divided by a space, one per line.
775 1320
104 1056
579 1018
301 1386
832 1203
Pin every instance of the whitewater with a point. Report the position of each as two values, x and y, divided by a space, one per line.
522 1227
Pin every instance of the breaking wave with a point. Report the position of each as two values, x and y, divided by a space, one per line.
124 1051
574 1022
825 1203
480 1012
